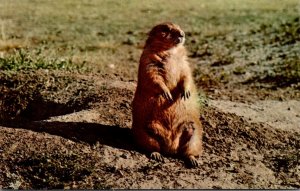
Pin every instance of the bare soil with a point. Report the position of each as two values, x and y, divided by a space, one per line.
72 131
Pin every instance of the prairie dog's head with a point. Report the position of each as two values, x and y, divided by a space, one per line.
165 36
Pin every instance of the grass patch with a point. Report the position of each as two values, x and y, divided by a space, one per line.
80 28
107 37
22 60
284 74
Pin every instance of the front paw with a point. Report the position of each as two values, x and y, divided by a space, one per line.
185 94
167 95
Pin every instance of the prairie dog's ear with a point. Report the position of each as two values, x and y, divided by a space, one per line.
164 28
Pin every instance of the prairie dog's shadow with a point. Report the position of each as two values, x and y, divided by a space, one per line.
90 133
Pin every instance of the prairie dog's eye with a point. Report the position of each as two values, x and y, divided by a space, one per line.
165 30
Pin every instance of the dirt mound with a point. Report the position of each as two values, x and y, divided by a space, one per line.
78 136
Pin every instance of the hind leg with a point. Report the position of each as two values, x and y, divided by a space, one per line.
191 142
160 134
147 143
187 135
152 139
187 131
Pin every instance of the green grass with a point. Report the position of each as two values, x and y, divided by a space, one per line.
106 36
22 60
282 75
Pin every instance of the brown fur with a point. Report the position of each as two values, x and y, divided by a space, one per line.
165 107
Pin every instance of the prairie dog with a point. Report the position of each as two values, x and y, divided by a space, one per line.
165 107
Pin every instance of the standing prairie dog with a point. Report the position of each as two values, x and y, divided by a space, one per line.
165 107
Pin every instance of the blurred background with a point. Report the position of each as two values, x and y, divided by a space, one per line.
247 40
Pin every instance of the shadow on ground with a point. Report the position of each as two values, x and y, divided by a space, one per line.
90 133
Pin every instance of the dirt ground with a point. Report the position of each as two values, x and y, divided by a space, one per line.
68 72
74 132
